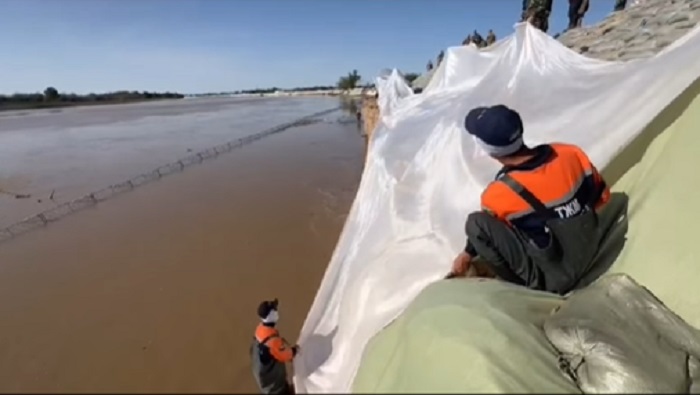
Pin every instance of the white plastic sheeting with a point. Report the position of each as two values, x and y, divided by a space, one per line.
424 175
393 88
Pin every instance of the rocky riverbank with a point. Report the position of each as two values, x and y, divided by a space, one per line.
640 31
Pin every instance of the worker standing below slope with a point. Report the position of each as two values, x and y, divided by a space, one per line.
538 226
270 352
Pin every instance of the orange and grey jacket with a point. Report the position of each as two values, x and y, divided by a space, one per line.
269 352
272 345
561 176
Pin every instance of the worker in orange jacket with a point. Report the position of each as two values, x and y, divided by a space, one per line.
270 352
538 224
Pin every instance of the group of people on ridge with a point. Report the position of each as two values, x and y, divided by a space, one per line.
537 12
474 38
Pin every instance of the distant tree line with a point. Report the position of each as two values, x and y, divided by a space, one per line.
313 88
275 89
352 80
349 81
410 77
52 98
259 91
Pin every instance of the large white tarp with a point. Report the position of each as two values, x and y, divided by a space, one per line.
424 174
394 88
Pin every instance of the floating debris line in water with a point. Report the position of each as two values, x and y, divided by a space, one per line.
15 195
57 212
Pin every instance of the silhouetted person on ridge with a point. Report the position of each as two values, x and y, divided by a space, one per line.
490 38
467 40
537 12
477 39
577 9
440 56
429 66
523 14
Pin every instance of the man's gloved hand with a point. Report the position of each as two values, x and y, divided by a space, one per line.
460 265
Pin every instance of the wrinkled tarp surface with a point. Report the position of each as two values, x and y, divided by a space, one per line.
463 337
490 346
616 337
424 175
394 88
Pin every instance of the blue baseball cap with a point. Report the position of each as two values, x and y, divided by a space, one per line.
498 129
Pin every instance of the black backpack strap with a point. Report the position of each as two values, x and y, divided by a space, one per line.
524 193
264 341
598 193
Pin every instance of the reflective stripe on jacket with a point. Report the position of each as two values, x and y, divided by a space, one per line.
559 175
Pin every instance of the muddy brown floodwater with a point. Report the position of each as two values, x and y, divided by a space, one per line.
55 156
156 290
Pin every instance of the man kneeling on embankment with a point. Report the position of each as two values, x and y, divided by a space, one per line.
538 225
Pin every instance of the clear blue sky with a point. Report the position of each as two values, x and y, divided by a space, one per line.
221 45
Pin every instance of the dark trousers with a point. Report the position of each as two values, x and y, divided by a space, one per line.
574 16
286 389
503 250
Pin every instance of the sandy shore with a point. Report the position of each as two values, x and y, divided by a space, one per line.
156 290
